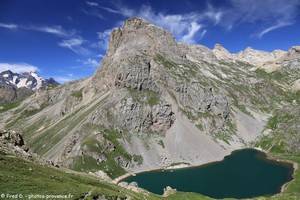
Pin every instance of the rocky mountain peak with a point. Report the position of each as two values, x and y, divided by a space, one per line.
30 80
138 35
135 23
221 53
131 49
294 51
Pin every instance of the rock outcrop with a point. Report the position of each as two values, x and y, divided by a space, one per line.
11 142
136 117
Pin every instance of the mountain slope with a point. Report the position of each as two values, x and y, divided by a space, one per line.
155 103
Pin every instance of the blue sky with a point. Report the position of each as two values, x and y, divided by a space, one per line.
66 39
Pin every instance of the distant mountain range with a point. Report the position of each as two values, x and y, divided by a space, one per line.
15 86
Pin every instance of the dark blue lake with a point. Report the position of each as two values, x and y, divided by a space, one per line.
243 174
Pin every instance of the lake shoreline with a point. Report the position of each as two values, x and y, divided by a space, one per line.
294 167
274 158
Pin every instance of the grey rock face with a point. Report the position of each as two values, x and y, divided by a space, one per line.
8 93
197 99
12 142
124 163
134 116
135 73
12 137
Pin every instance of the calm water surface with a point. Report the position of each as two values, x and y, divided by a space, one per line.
243 174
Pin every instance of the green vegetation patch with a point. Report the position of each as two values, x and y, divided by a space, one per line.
166 63
26 178
276 119
276 75
145 97
110 166
8 106
24 114
77 94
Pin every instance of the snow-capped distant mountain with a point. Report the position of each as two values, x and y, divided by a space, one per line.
30 80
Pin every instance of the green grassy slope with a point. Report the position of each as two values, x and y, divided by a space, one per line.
18 176
26 178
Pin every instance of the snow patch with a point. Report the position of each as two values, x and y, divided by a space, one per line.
22 83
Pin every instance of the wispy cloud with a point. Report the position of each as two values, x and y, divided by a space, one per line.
89 62
185 27
104 38
18 67
54 30
70 38
203 33
91 3
9 26
75 45
271 14
93 12
193 29
64 79
274 27
111 10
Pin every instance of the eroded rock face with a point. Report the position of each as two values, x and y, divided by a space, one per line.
135 73
12 142
124 163
198 99
134 116
12 137
9 93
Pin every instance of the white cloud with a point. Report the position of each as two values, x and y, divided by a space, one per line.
91 3
75 45
18 67
104 38
278 13
93 12
270 14
71 40
90 62
100 55
8 26
274 27
202 34
213 14
111 10
64 79
183 26
54 30
193 29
